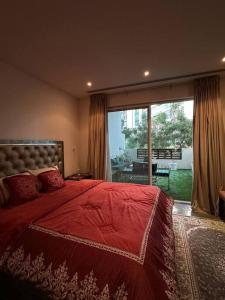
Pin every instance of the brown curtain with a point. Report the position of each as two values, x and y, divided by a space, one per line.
208 139
97 136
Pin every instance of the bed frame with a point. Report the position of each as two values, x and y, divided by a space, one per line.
17 156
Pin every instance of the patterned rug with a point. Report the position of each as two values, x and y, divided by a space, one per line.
200 258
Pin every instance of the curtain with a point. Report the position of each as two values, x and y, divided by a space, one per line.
208 141
108 161
97 136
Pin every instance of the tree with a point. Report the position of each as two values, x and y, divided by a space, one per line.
170 129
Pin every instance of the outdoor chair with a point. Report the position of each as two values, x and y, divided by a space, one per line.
154 169
141 168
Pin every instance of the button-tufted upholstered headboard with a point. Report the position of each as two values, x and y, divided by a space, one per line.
18 156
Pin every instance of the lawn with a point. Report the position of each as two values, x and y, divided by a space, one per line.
180 183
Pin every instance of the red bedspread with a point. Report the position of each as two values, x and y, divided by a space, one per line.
93 240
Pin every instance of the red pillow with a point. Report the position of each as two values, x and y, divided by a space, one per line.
22 188
2 197
51 180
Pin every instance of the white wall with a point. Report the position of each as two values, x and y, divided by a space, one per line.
185 163
31 109
116 137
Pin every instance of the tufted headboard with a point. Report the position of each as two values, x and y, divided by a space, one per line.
17 156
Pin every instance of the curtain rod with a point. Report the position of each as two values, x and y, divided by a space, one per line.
156 81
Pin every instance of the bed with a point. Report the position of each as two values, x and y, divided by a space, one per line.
89 239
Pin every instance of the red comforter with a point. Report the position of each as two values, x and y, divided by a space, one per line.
93 240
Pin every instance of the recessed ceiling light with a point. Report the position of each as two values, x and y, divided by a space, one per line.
223 59
146 73
89 83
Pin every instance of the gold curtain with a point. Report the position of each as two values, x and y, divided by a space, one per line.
208 140
97 136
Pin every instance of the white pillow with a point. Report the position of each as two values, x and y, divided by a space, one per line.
42 170
36 172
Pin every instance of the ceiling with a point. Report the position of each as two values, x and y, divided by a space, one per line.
69 42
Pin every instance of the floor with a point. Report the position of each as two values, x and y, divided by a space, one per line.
199 254
184 209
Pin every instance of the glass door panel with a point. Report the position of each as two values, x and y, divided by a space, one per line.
171 148
128 145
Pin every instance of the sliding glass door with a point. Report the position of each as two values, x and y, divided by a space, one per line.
128 145
153 145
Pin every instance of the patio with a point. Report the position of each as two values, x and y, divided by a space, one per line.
180 183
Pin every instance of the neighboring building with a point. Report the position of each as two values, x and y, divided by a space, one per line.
165 108
133 117
159 108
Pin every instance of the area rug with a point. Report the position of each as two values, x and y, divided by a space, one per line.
200 258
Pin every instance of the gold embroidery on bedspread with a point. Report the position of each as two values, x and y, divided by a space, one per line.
4 257
57 282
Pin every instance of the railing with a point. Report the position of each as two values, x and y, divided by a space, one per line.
175 154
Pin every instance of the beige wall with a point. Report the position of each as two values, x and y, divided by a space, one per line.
151 95
83 110
32 109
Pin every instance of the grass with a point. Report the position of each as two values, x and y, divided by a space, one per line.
180 183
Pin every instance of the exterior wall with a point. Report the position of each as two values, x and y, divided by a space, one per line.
31 109
116 137
185 163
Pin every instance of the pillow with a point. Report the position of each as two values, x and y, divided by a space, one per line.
4 189
4 193
36 172
22 188
2 198
51 180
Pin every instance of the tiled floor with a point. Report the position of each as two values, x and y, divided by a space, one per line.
180 208
185 209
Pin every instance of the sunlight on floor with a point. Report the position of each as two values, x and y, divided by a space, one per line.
182 209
